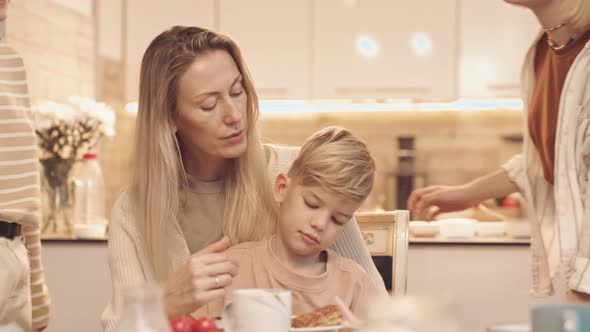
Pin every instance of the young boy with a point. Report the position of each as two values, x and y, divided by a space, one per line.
331 177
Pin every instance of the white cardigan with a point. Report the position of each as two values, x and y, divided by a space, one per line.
559 213
129 264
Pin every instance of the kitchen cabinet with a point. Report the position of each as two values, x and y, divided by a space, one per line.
486 284
494 39
355 50
79 282
273 36
148 18
385 49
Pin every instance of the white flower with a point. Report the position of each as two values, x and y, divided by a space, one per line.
65 152
47 113
69 130
97 110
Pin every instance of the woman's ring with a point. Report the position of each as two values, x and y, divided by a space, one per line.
216 282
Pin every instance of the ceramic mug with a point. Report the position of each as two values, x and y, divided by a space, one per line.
259 310
561 318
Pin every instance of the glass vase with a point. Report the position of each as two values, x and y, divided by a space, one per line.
143 309
57 197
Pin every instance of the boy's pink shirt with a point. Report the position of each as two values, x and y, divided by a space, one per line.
260 268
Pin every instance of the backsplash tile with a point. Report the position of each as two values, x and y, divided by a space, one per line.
57 46
451 147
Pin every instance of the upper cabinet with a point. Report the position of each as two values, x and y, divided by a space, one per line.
426 50
385 49
273 36
494 39
148 18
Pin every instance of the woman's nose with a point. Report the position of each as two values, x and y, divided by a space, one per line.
232 113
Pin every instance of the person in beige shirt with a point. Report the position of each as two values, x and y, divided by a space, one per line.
552 170
331 177
24 299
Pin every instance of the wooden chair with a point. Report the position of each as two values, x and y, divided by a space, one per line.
386 235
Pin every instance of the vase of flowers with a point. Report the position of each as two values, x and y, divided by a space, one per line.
66 131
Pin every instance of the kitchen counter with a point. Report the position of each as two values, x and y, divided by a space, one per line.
413 240
470 241
490 274
73 240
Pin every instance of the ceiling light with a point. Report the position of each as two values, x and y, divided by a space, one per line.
367 46
421 44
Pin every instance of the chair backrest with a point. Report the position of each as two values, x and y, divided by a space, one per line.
386 234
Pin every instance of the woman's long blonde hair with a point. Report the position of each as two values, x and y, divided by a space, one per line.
159 180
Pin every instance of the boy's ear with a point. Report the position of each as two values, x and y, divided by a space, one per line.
280 189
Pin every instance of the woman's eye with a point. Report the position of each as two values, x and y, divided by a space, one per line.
237 93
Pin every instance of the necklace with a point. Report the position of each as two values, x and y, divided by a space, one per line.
555 27
557 47
552 42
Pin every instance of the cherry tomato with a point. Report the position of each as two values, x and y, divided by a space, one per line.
182 324
204 324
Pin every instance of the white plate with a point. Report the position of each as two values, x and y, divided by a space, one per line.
318 328
219 324
510 328
457 227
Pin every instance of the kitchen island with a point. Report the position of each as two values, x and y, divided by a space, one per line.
488 279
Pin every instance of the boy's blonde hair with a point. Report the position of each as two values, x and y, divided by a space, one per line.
336 160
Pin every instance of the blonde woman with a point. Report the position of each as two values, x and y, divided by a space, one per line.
200 173
552 172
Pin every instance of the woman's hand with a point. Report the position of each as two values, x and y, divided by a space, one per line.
200 280
572 296
427 203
